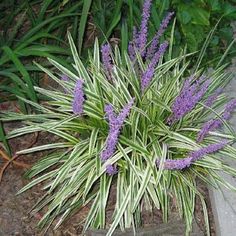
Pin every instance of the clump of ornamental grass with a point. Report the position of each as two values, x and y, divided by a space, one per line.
144 124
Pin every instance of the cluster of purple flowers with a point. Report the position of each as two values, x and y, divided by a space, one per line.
142 37
106 59
149 73
190 95
192 157
155 41
111 169
77 105
216 123
115 125
139 41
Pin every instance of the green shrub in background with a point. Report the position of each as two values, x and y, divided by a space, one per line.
195 19
33 30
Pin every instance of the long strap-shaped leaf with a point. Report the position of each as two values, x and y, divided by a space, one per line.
142 188
79 66
119 213
83 21
31 93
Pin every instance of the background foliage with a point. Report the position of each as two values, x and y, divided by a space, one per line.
195 19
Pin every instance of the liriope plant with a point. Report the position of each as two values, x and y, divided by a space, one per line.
145 125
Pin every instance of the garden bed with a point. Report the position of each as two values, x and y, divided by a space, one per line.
15 218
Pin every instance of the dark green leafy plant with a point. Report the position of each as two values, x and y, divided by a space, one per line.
34 31
195 19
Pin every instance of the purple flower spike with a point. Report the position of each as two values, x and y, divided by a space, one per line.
153 47
149 73
124 112
207 127
110 145
110 115
115 125
106 59
131 50
111 169
77 105
183 104
64 78
197 155
142 40
211 99
133 44
216 123
180 164
176 164
229 109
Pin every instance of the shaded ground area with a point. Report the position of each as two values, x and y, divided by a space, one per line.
14 210
15 215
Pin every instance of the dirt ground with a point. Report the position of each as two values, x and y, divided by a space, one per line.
15 210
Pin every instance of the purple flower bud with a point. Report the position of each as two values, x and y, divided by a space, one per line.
131 51
65 78
110 145
111 169
149 73
216 123
77 105
153 47
229 109
106 59
207 127
180 164
183 104
125 112
142 40
211 99
133 45
115 125
196 155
